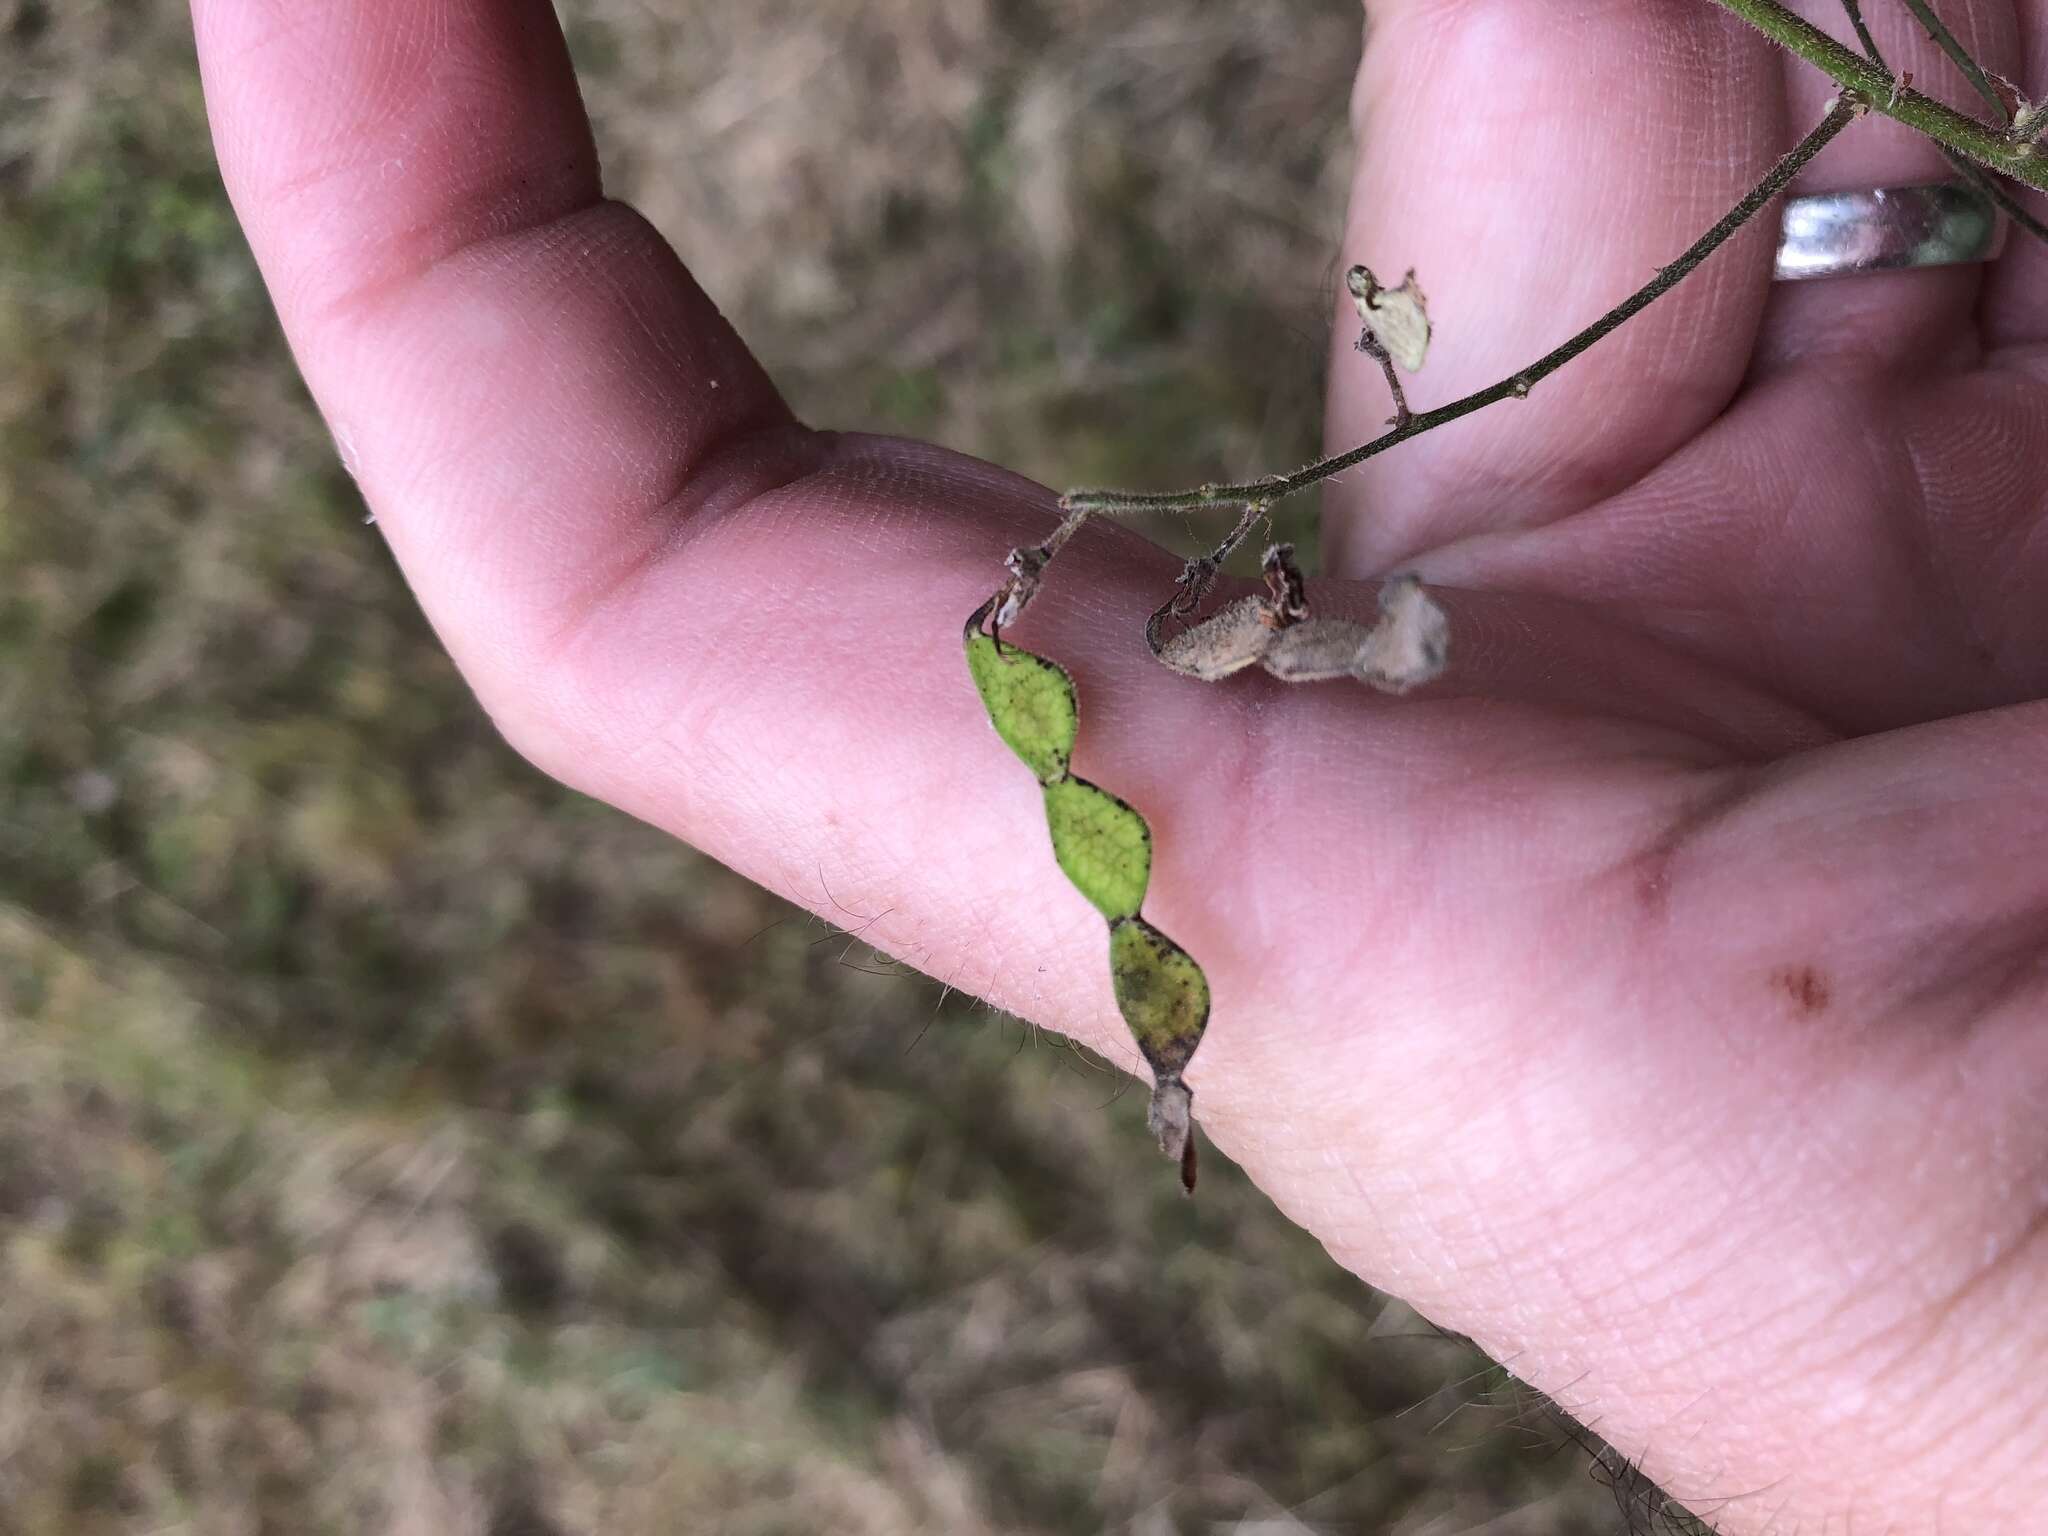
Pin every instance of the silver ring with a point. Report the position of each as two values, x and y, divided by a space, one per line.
1885 229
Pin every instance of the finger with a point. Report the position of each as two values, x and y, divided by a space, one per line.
365 140
1535 165
2014 308
520 374
1885 319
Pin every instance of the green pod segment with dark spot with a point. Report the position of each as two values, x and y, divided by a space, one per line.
1103 845
1161 992
1029 700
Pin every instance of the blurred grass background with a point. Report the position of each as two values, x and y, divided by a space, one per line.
391 1141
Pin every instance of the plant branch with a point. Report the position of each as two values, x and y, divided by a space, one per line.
2012 207
1517 385
1855 10
1976 175
1972 70
1979 141
1372 347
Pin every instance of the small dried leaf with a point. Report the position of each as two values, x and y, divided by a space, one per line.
1030 701
1103 845
1397 317
2009 97
1286 588
1411 644
1405 649
1162 993
1228 641
1171 1119
1316 650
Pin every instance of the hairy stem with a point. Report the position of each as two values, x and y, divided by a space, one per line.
1516 385
1972 70
1979 141
1976 175
1199 575
1371 346
2011 206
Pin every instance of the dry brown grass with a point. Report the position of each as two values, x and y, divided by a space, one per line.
391 1142
1080 237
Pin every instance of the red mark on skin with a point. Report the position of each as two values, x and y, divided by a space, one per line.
1652 869
1807 987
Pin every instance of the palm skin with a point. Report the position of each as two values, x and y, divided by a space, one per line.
1659 998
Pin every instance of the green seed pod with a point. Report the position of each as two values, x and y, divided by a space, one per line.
1105 848
1030 701
1164 998
1103 845
1162 992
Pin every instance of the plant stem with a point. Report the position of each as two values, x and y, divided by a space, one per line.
1976 175
1199 575
1371 346
1938 30
1945 125
1846 107
1855 10
2013 208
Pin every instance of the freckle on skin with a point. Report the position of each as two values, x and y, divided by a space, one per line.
1807 987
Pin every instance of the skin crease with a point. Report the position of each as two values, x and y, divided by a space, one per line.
1660 998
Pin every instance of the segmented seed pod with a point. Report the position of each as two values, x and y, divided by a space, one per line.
1105 849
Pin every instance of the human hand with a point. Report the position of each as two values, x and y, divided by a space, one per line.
1658 999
